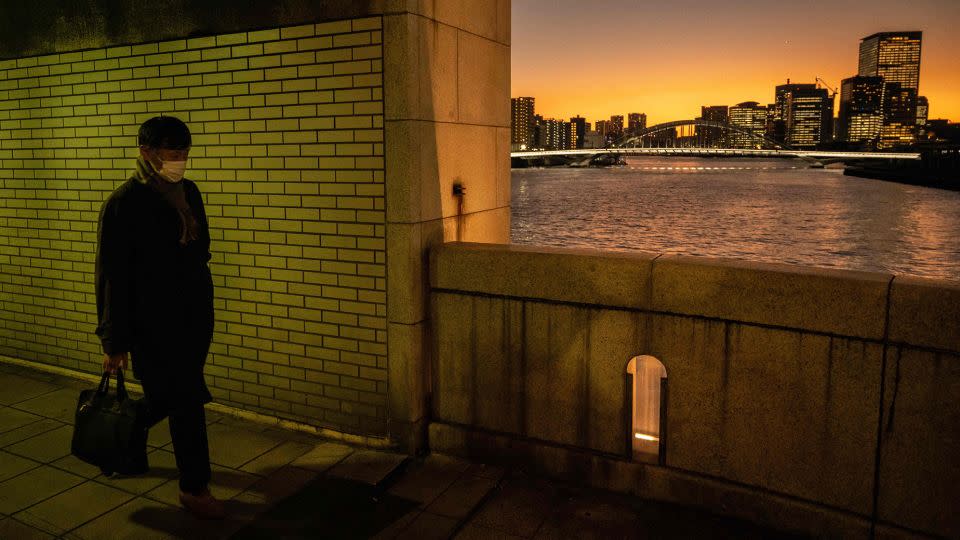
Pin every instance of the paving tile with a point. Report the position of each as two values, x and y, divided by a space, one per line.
15 388
232 446
11 418
329 508
323 456
60 405
278 486
212 416
517 507
424 480
46 447
427 526
476 532
224 484
591 519
73 464
159 434
487 471
11 465
14 530
163 468
34 486
138 519
367 466
391 531
461 497
276 458
25 432
73 507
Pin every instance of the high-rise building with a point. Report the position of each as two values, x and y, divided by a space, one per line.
554 135
610 130
899 116
615 127
807 113
602 127
538 128
636 122
522 123
593 139
713 136
895 56
776 129
579 127
861 110
923 110
750 119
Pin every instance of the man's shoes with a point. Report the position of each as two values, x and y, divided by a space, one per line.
204 505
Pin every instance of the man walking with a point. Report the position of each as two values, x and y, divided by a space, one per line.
155 297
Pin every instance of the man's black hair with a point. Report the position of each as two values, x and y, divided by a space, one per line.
164 132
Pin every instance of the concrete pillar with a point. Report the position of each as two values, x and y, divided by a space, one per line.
447 120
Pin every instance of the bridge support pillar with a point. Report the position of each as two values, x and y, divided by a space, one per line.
447 122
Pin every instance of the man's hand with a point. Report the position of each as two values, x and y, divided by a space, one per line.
113 361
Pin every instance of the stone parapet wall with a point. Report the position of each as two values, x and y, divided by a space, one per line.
780 379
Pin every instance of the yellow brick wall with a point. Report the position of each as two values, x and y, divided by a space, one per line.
288 151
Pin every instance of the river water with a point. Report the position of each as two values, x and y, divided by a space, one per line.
753 209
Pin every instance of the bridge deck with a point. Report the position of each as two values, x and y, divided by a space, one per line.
736 152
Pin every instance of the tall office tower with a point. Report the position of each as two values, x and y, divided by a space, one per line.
776 129
601 127
712 136
895 56
570 139
807 113
780 97
636 122
538 128
616 125
522 123
923 112
580 127
554 135
751 119
861 111
899 116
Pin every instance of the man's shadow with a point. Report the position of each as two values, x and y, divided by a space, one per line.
288 503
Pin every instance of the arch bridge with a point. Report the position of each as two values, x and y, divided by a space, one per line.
700 133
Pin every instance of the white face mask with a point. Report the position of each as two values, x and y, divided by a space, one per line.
172 171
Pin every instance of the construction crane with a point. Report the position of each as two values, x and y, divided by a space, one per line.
828 87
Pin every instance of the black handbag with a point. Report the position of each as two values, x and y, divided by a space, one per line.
110 430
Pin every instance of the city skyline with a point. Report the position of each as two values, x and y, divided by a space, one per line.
668 76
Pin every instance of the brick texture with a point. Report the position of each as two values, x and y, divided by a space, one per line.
288 151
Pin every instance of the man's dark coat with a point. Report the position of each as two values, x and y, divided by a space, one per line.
154 295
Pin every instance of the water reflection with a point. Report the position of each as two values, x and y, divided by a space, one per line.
763 210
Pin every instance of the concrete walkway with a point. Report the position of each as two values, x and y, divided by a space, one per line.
283 484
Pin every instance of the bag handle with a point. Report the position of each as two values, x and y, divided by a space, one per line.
121 387
104 386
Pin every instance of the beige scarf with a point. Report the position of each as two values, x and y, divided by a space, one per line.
175 196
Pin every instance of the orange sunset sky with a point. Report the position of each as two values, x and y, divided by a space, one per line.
666 58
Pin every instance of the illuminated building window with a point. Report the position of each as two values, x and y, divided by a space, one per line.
647 379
